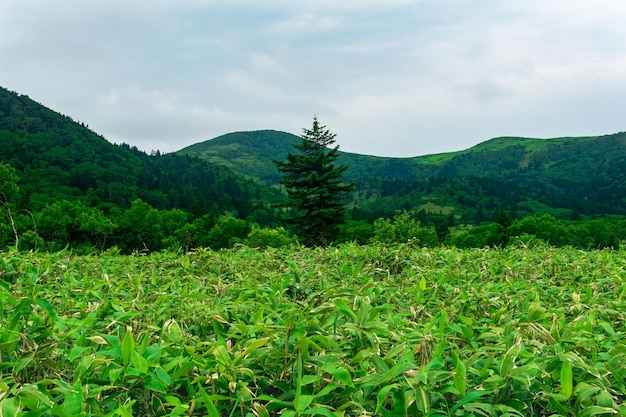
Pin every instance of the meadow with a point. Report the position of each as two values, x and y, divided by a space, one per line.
375 330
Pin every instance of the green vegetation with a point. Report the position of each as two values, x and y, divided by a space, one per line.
233 150
588 234
522 175
315 189
348 331
403 229
76 189
8 190
162 285
58 159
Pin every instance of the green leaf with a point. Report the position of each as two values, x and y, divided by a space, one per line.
10 407
114 374
122 410
559 402
595 410
422 284
319 411
128 347
422 400
163 377
327 389
343 308
140 363
604 399
494 382
46 305
584 391
22 309
221 354
208 403
509 359
32 394
364 312
304 402
460 377
567 381
383 394
339 373
74 400
535 312
297 399
172 332
472 396
403 365
171 400
154 385
311 379
254 345
83 367
77 352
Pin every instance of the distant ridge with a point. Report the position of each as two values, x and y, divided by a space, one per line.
248 153
59 159
584 174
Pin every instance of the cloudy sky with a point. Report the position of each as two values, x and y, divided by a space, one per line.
390 78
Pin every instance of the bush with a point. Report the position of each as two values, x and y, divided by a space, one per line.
360 232
273 238
227 232
489 235
30 240
402 229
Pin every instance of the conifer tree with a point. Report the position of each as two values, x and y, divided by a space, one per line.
315 187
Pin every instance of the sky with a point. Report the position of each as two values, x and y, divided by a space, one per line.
391 78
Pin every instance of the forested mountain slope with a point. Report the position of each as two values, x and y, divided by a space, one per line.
248 153
58 158
522 175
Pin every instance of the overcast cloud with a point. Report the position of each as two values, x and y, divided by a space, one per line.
392 78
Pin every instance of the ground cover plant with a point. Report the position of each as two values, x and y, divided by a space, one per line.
347 331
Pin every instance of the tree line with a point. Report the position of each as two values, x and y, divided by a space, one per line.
143 228
313 214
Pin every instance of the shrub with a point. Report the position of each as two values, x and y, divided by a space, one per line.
227 232
489 235
402 229
265 237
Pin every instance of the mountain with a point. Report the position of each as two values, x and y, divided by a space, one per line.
57 158
248 153
252 153
562 176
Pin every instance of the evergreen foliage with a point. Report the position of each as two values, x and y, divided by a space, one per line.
58 159
66 186
520 175
315 187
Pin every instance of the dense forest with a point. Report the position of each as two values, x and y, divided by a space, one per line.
77 189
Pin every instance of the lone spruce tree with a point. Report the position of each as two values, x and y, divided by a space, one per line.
315 187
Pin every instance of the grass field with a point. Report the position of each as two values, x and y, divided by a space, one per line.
347 331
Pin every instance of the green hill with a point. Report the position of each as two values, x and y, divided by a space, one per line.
57 158
248 153
561 176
